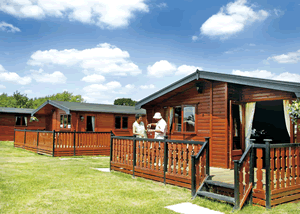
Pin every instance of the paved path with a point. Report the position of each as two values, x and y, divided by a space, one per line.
189 208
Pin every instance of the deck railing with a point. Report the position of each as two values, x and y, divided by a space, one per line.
163 160
63 143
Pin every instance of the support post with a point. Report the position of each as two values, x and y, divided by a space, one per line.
134 155
74 143
236 185
207 156
14 137
252 159
193 171
24 138
53 143
165 157
111 149
37 142
268 173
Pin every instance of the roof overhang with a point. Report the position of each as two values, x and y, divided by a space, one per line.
242 80
53 104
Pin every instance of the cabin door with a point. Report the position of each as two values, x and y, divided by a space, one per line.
90 123
237 131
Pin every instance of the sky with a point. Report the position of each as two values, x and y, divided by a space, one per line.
104 50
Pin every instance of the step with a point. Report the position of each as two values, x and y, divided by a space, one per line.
216 196
220 184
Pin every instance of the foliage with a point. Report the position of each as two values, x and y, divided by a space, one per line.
124 101
18 100
294 110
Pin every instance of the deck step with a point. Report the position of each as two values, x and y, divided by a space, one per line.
219 184
216 196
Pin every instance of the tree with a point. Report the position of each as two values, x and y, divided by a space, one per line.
21 101
124 101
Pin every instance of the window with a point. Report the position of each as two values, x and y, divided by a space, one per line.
21 121
121 122
65 121
184 118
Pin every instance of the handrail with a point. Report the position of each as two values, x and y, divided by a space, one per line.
201 150
30 130
245 154
283 145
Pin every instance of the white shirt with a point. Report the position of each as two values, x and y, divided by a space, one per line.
138 128
161 126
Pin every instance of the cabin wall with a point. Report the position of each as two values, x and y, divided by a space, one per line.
211 118
8 124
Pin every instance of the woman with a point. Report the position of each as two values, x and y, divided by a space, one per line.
138 127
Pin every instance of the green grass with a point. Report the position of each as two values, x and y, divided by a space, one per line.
32 183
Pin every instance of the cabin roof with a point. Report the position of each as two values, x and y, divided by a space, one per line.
236 79
16 110
91 107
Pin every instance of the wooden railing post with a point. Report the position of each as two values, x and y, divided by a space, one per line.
24 138
53 143
236 185
14 136
134 155
165 157
193 171
252 159
267 161
74 143
111 149
37 142
207 156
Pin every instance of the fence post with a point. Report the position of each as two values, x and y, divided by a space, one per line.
14 136
53 143
37 142
267 160
252 159
193 171
165 157
134 155
111 149
207 156
74 143
236 185
24 139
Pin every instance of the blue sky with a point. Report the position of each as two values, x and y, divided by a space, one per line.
105 50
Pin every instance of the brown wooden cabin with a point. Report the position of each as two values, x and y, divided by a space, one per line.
17 118
207 104
88 117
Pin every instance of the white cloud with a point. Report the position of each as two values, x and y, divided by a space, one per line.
28 91
151 86
129 86
103 59
56 77
162 5
286 76
186 69
99 88
161 68
232 19
195 38
2 87
8 27
13 77
93 78
291 57
103 13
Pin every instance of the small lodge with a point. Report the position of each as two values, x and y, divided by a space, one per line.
87 117
225 108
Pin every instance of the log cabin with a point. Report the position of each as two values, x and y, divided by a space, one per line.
228 109
17 118
88 117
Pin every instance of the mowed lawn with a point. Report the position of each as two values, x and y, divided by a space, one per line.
32 183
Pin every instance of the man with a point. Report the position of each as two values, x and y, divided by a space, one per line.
160 126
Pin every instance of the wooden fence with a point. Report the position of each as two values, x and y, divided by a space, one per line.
63 143
167 161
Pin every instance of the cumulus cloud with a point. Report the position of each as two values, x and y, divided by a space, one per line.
93 78
8 27
151 86
164 68
129 86
13 77
2 87
103 13
99 88
232 19
103 59
291 57
195 38
286 76
56 77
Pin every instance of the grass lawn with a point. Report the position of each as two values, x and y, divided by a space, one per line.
32 183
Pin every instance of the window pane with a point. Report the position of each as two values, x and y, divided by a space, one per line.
117 122
166 114
18 121
189 118
65 121
69 120
125 123
177 118
61 119
23 121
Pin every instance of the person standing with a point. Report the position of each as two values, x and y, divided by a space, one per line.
138 127
160 126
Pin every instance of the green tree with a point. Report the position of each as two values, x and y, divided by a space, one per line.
124 101
5 101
